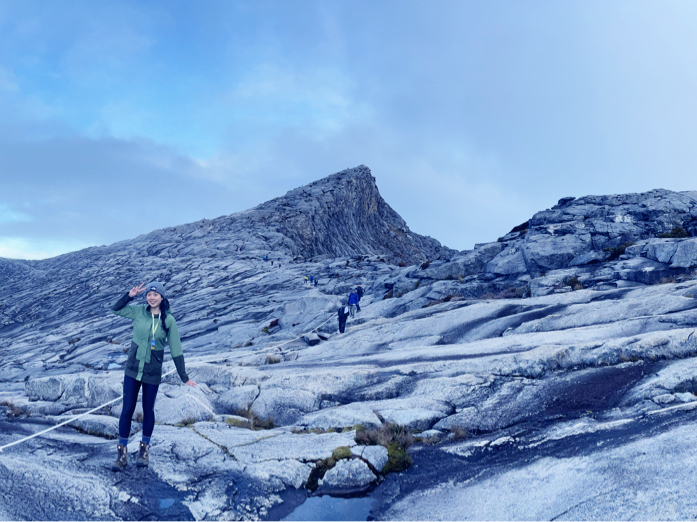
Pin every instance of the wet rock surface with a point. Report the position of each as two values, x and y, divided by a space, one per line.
546 368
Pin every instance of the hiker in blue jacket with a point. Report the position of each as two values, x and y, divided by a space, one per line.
353 302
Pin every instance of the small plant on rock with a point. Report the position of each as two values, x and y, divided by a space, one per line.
273 359
397 459
676 233
574 283
255 423
458 433
342 452
385 435
402 264
616 252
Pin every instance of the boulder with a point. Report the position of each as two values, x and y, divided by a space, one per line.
238 398
339 417
284 406
376 455
685 254
311 339
413 419
346 477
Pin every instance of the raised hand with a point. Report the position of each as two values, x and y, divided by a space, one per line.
136 290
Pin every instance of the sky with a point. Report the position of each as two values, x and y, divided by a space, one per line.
119 118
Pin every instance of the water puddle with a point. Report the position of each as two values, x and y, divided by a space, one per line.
332 508
166 502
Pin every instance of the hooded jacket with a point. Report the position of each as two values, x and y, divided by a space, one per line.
145 363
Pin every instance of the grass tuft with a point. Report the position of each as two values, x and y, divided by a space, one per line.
677 232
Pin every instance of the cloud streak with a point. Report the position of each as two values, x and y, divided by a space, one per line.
116 119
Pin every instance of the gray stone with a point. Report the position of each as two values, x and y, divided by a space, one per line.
237 398
376 455
348 476
311 339
685 255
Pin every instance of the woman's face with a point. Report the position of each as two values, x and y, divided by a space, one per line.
154 299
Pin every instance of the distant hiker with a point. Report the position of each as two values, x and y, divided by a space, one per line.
152 328
312 279
315 282
343 315
353 301
306 281
359 291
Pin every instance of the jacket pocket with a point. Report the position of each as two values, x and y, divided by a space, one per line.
132 362
155 366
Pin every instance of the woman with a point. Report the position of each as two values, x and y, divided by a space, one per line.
152 328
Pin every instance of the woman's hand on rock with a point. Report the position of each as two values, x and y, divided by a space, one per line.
191 383
136 290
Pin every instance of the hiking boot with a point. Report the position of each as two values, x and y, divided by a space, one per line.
121 458
143 455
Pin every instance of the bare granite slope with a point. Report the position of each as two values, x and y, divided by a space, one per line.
546 377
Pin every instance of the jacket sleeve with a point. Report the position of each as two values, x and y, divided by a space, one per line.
175 348
120 308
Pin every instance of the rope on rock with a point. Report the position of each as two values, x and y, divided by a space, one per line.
218 357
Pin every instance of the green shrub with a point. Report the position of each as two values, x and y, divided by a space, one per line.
677 232
616 252
574 283
385 435
388 295
402 264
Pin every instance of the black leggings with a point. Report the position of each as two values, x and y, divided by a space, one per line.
130 398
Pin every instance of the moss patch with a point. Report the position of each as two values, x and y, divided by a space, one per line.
342 452
397 459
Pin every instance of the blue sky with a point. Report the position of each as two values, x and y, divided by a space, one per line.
117 118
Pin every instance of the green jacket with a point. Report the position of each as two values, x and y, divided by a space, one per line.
145 362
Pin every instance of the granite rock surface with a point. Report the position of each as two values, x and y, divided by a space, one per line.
560 359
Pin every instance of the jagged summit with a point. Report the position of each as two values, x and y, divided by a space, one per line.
340 215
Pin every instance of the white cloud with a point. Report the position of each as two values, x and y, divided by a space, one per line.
31 248
320 101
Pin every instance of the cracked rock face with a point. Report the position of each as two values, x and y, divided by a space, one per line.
565 401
